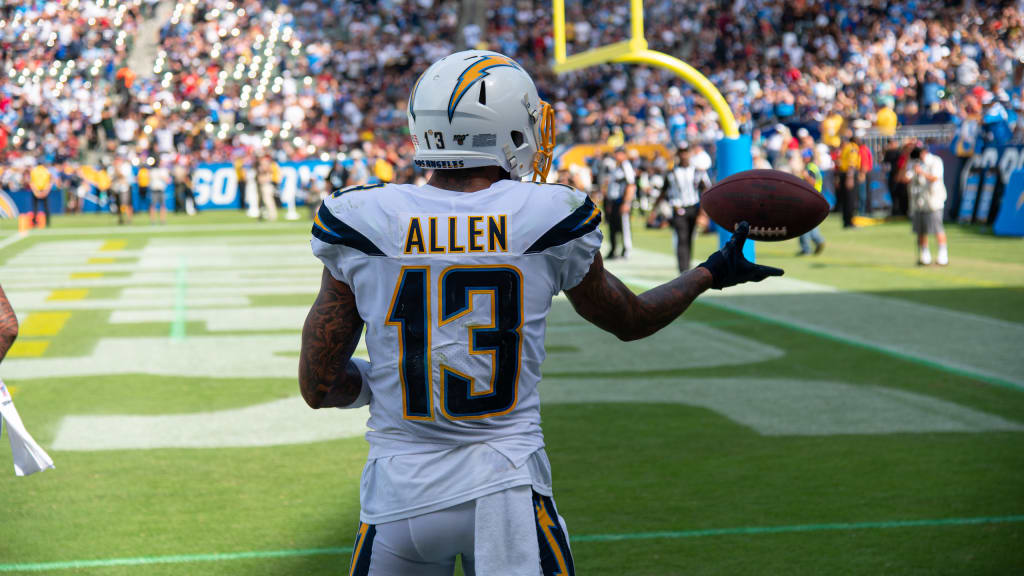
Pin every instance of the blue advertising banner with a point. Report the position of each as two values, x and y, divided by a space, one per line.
983 179
216 185
1010 221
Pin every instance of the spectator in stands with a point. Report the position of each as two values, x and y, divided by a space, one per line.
927 200
332 75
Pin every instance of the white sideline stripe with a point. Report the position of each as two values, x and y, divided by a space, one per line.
12 239
770 407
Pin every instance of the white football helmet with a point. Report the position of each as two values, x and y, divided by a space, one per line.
479 108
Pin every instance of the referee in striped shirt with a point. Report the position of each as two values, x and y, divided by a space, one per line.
682 193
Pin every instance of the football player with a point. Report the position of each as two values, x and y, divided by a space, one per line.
453 281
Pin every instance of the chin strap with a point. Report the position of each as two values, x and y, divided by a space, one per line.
542 160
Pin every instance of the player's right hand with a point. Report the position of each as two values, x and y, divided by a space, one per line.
728 267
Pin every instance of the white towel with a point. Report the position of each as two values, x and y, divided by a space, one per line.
506 534
28 456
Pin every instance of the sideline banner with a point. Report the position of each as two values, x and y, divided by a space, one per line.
216 185
983 179
1010 221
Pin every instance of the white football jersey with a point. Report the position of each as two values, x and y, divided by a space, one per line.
455 289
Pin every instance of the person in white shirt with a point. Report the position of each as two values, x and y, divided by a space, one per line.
159 178
927 192
454 281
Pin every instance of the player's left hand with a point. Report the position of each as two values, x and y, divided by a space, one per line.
728 267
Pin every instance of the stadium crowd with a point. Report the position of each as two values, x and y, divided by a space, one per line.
312 78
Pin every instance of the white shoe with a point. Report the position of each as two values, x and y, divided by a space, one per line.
924 258
942 258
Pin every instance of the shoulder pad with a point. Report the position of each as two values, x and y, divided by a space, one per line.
582 218
329 225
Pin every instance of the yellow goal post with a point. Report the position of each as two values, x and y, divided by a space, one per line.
635 51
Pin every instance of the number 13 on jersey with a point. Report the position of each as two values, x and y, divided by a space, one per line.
411 312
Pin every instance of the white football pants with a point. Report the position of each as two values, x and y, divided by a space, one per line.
515 532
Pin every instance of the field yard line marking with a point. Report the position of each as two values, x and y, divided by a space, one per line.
68 295
670 535
28 348
12 239
747 530
171 559
113 246
178 326
858 343
44 323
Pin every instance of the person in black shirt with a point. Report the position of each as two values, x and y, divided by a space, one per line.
619 184
337 178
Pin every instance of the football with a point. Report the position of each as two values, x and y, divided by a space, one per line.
777 205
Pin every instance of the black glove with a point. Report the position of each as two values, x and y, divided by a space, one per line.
728 267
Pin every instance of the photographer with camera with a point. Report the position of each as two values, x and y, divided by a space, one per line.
927 195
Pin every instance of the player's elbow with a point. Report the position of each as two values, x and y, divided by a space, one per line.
9 332
310 394
311 391
632 333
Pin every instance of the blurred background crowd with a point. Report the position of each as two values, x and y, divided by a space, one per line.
168 84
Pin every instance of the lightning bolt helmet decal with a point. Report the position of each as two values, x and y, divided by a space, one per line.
471 75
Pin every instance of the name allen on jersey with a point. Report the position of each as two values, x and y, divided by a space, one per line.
456 234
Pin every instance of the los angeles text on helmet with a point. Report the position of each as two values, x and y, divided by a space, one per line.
449 164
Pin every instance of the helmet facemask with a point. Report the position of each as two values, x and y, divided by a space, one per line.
546 142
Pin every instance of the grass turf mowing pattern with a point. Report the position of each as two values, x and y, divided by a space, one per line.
618 468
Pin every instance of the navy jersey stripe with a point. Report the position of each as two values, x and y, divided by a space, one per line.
328 228
581 222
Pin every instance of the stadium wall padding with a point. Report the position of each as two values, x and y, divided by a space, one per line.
733 155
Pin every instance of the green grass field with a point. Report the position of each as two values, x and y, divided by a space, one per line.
859 416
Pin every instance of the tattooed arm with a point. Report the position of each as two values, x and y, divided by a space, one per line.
8 325
327 377
609 304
